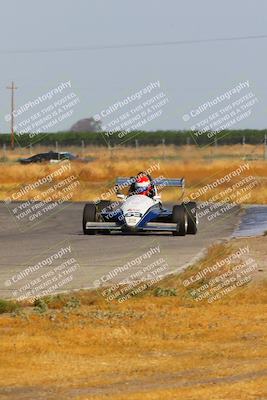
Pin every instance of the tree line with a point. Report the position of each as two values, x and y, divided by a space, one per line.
248 136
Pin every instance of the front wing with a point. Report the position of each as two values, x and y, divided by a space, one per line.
150 226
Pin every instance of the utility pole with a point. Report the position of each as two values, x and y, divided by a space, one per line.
12 88
83 146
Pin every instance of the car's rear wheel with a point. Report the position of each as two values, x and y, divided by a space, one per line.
191 209
89 215
179 216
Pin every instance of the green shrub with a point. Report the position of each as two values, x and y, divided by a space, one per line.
40 306
7 306
165 292
72 304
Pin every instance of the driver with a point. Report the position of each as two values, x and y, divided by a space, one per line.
142 185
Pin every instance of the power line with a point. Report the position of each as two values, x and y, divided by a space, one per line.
132 45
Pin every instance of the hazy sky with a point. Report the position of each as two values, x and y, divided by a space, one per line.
189 74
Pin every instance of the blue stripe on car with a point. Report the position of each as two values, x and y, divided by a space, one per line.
149 216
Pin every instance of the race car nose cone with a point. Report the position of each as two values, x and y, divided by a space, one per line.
132 220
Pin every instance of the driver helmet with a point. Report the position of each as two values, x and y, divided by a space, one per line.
142 185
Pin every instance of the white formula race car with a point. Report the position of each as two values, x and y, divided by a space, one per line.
140 213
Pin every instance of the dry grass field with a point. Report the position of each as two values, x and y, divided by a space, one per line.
161 344
198 166
153 347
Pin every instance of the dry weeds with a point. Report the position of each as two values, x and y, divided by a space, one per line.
146 348
198 166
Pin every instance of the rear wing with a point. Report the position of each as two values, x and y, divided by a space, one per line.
161 181
169 182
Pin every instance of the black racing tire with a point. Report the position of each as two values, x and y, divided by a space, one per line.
89 215
179 216
191 209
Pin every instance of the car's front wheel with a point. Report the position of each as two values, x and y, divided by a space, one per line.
180 217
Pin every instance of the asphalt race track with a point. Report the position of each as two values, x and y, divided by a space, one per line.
96 256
